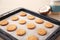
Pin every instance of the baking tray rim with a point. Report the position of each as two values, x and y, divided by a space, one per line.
23 9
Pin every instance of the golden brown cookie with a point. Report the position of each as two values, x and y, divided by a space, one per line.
39 21
41 31
22 21
31 17
3 22
31 25
14 18
32 37
20 32
11 27
48 25
22 13
0 22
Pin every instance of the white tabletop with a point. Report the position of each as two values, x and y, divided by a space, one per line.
34 5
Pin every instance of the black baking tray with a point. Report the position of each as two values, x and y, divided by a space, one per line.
7 36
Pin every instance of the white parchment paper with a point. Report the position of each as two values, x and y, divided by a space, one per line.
28 31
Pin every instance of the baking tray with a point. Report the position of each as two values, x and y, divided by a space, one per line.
12 12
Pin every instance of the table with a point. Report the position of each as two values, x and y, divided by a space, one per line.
34 5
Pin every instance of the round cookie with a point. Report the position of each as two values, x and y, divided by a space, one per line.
31 17
11 27
41 32
14 18
0 22
32 37
22 13
31 26
4 22
22 21
48 25
39 21
20 32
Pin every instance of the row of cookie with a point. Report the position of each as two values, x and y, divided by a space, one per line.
15 18
39 21
23 14
21 32
13 27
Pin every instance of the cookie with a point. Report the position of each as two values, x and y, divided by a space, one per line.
11 27
14 18
0 22
22 13
31 17
31 25
20 32
4 22
22 21
39 21
32 37
48 25
41 31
